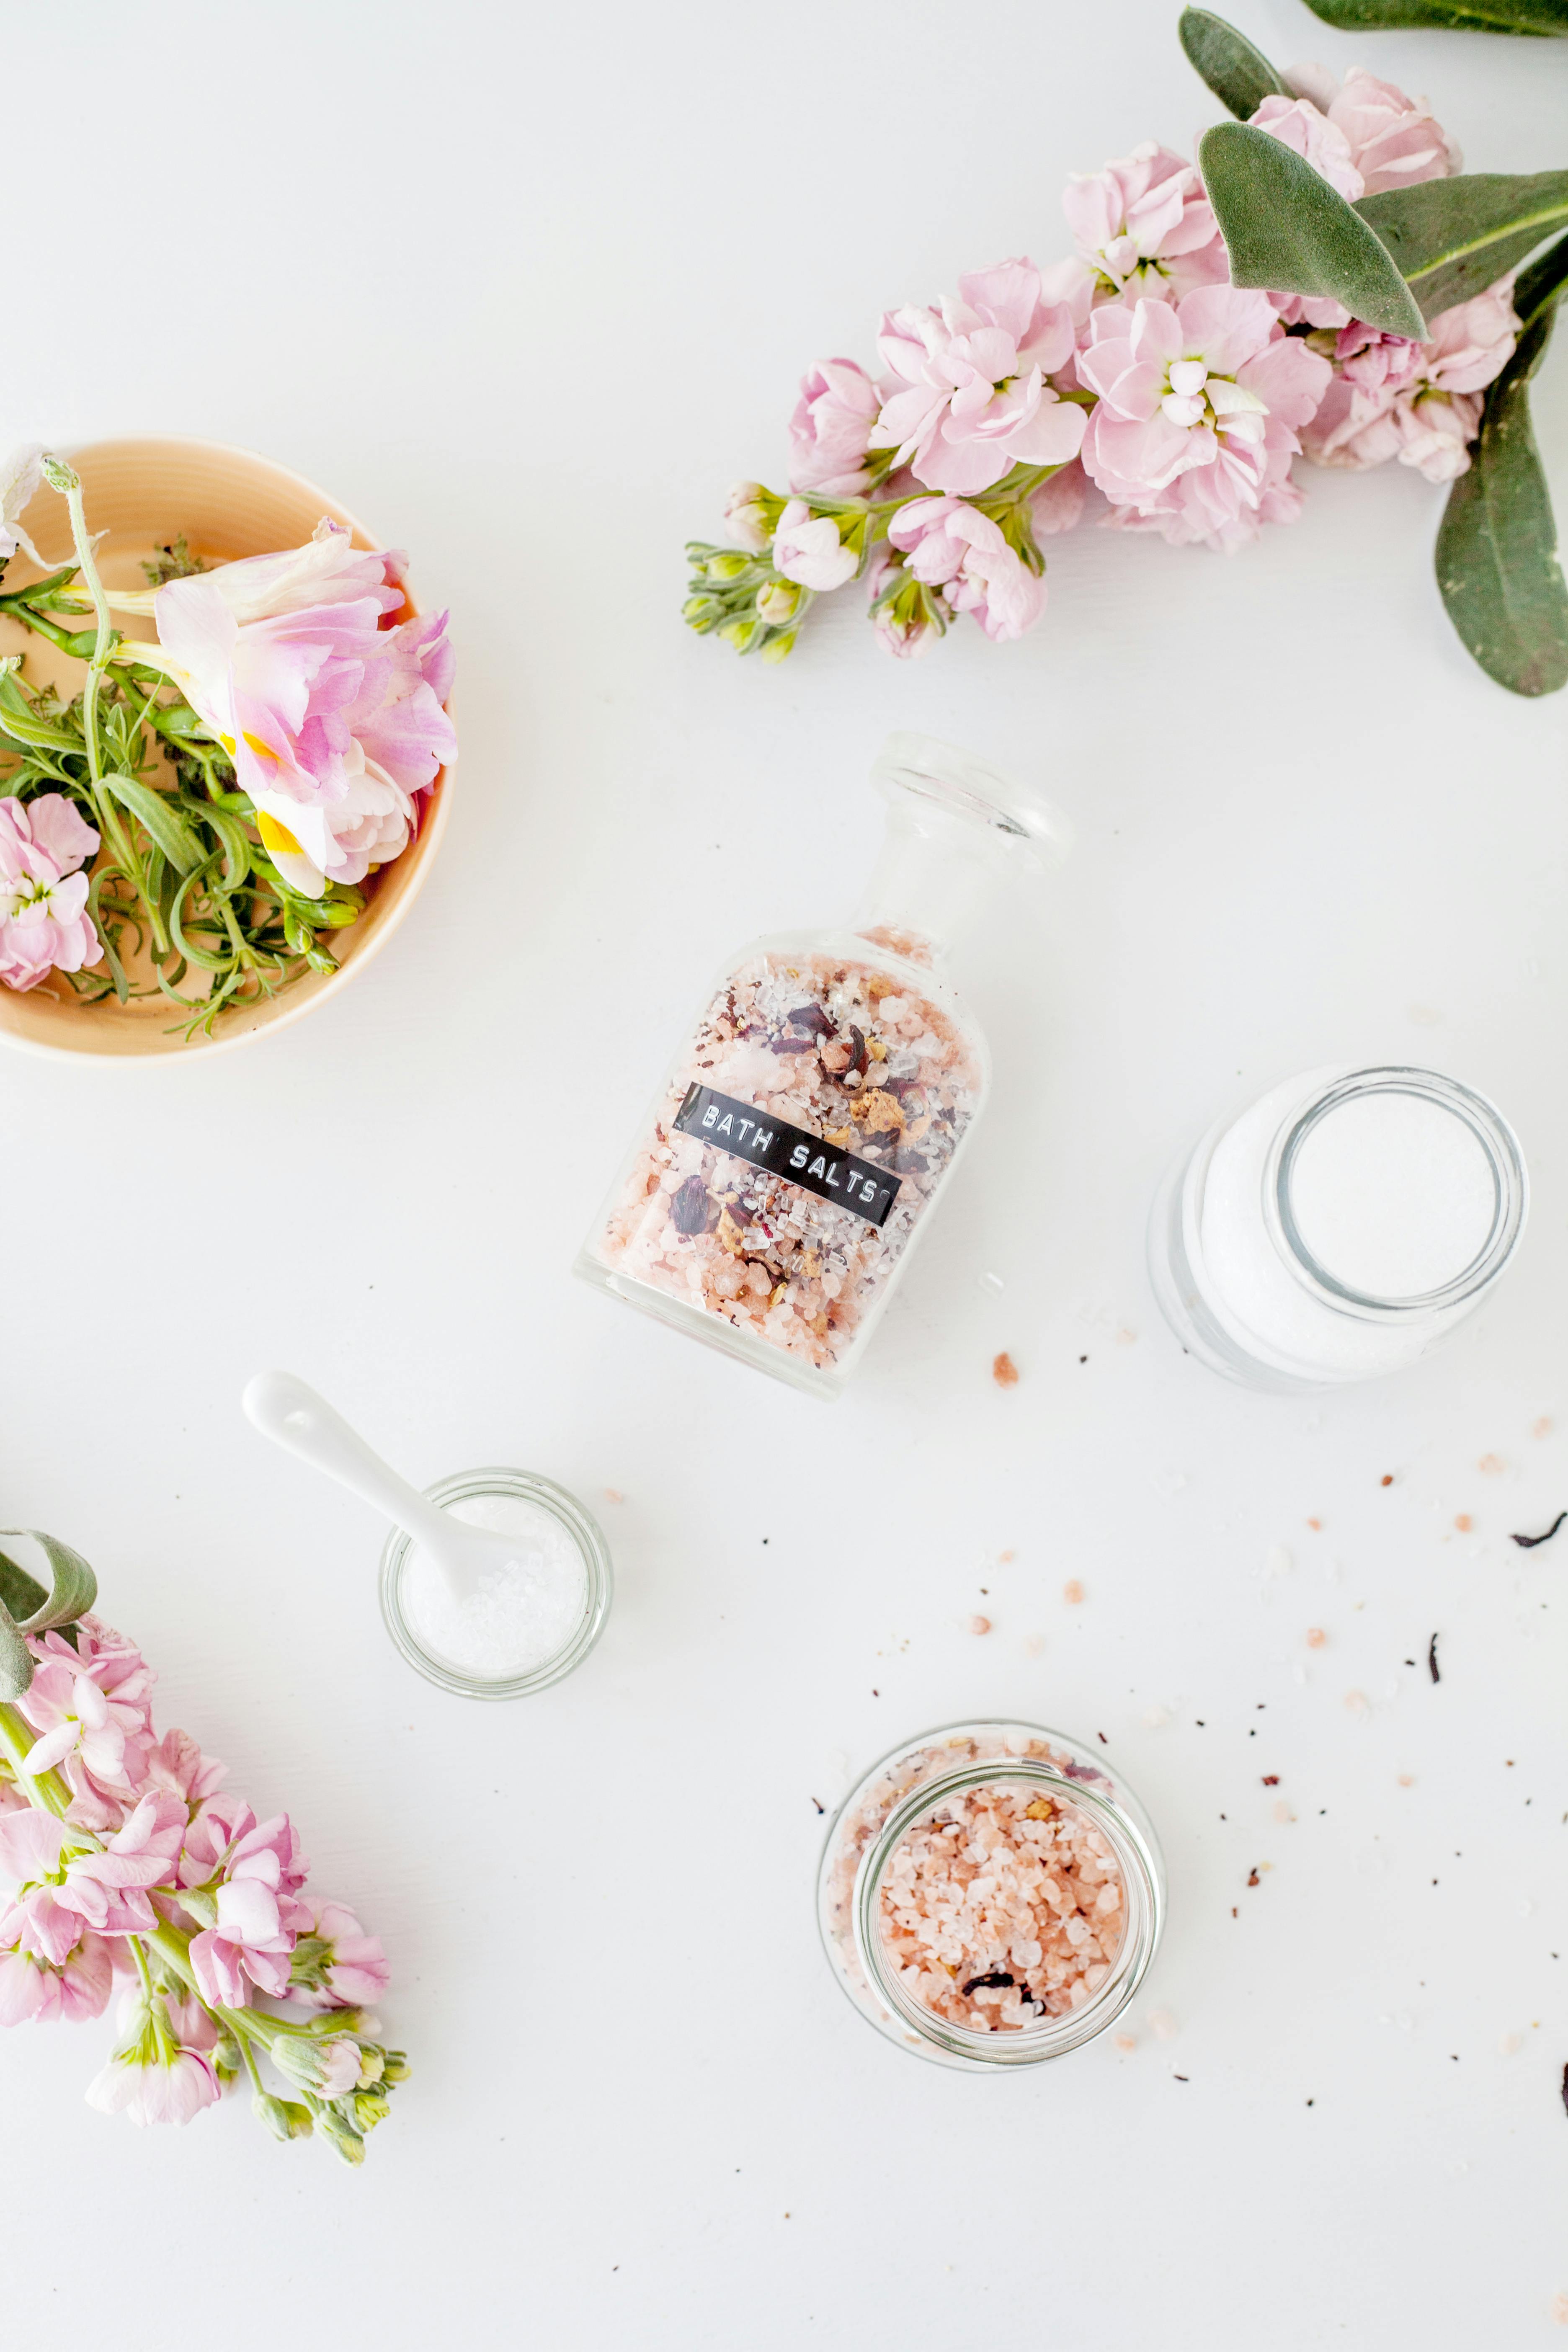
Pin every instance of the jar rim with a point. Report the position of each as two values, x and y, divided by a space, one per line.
585 1532
1487 1125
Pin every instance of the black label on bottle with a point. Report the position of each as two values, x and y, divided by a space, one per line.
791 1152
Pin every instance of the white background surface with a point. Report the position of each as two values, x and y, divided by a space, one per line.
526 289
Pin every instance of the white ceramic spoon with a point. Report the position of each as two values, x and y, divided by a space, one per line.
293 1416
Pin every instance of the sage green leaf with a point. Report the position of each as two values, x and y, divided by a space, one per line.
1467 16
1453 238
1240 76
1285 228
26 1607
163 820
1498 565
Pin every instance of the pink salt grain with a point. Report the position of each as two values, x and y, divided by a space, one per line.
980 1625
1072 1593
1005 1909
1316 1637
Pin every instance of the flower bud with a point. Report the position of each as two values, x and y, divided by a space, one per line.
284 2119
779 601
778 648
395 2067
371 2107
328 2068
739 634
726 567
60 475
750 515
341 2136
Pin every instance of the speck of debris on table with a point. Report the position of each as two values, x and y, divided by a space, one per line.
1253 1879
1271 1780
1432 1659
1004 1370
1528 1543
1083 1360
1386 1479
1565 2088
818 1803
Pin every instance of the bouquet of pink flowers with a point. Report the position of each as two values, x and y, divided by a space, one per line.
124 1857
1304 291
202 817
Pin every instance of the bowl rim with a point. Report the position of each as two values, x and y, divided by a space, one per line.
434 816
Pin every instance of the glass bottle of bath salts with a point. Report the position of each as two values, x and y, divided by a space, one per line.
1338 1228
820 1104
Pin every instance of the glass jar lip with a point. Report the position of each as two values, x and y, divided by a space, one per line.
1491 1131
1117 1815
579 1524
969 787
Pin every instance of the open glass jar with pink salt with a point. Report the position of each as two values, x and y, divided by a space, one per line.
991 1894
798 1149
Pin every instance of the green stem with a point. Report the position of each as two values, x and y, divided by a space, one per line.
45 1790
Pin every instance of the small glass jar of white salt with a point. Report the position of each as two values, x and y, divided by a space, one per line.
527 1624
1338 1228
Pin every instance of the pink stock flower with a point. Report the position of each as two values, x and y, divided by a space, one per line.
333 721
807 550
252 1874
1426 409
104 1659
1394 141
44 923
1296 123
972 400
746 518
1199 409
35 1920
153 2077
350 1971
1144 223
109 1889
953 547
37 1990
72 1717
177 1766
830 432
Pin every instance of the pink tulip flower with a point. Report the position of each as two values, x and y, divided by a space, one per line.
830 432
333 720
972 398
1199 410
44 923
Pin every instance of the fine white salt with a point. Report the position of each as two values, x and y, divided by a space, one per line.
1393 1194
521 1615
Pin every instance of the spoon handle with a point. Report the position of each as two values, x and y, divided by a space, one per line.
293 1416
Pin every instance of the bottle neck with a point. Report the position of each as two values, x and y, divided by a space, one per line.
936 874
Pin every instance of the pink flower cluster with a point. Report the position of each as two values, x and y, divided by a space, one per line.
44 923
1132 372
148 1846
330 708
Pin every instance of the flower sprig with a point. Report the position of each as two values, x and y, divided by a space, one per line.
126 1858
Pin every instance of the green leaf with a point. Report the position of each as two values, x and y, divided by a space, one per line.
1536 288
1453 238
1496 549
26 1607
1285 228
21 723
1467 16
163 820
1240 76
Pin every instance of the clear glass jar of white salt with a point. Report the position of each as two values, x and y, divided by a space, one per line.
1338 1228
527 1625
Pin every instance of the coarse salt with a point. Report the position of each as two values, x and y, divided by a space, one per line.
521 1615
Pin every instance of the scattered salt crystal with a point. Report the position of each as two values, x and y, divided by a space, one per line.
614 1494
1316 1637
1560 2309
1282 1811
1033 1645
1072 1593
521 1615
980 1625
1357 1703
1509 2044
1156 1718
1276 1562
993 1283
1542 1428
1161 2025
1124 2041
1492 1465
1407 1779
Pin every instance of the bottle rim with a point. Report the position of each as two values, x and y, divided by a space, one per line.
966 786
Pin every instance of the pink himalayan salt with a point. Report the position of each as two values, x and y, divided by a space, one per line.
1004 1909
